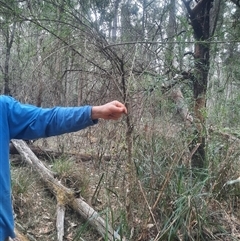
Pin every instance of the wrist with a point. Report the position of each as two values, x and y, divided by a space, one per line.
96 113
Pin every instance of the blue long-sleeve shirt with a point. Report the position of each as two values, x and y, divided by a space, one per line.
20 121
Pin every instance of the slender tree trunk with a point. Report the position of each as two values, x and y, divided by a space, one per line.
115 21
9 34
125 22
171 31
39 76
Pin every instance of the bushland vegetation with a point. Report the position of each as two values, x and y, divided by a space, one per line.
169 170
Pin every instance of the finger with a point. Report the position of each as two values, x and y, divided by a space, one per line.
124 110
121 106
118 104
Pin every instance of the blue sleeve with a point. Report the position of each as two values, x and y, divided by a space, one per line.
31 122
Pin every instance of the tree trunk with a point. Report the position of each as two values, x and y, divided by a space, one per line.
115 21
199 92
200 20
39 70
9 34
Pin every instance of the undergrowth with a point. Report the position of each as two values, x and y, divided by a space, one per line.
168 199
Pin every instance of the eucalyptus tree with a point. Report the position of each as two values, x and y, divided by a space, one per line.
203 18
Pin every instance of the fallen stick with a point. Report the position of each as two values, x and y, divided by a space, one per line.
66 195
60 221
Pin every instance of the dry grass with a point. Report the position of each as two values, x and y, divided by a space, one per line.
165 201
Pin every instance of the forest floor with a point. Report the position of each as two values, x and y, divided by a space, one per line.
100 182
35 206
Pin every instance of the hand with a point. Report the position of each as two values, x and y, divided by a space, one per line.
110 111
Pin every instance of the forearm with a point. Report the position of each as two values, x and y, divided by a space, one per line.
30 122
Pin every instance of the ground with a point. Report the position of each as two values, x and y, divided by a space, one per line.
211 214
35 207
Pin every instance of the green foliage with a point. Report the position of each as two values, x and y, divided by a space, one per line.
21 183
187 199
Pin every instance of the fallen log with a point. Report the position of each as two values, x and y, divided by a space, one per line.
65 195
50 154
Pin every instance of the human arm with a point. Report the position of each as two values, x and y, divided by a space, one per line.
30 122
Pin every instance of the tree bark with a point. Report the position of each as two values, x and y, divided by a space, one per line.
66 195
199 16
